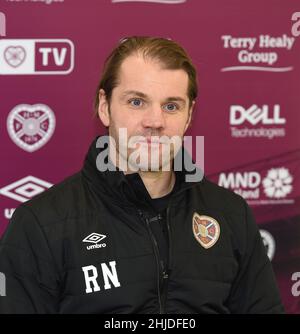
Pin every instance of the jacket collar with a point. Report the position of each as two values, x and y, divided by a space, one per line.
116 185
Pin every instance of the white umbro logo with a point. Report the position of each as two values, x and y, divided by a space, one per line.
95 238
25 188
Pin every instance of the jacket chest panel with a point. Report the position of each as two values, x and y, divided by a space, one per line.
192 255
110 258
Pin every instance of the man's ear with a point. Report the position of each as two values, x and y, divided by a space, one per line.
103 109
189 120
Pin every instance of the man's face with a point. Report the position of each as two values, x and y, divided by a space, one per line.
148 101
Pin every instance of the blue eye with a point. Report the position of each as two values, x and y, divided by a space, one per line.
171 109
136 102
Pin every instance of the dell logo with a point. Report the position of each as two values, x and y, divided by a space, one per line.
255 115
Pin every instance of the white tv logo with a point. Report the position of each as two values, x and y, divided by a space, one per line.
254 115
36 56
2 25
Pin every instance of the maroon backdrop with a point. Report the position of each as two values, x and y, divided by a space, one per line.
248 58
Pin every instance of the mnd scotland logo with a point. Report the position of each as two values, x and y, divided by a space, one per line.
258 188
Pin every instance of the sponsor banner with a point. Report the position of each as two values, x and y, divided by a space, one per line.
36 56
257 122
258 53
275 186
247 109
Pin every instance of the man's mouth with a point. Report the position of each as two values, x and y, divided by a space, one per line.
151 140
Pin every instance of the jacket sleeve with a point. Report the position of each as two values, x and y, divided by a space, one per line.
254 290
28 267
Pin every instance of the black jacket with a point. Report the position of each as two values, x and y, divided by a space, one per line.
86 246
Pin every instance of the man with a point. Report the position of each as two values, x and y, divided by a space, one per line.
123 237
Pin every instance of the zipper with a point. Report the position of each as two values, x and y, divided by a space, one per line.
162 275
150 220
169 236
156 252
166 274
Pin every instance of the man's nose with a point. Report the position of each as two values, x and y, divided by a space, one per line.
154 118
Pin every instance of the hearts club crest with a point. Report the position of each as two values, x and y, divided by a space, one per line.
206 230
31 126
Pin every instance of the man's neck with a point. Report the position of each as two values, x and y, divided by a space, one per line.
158 184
